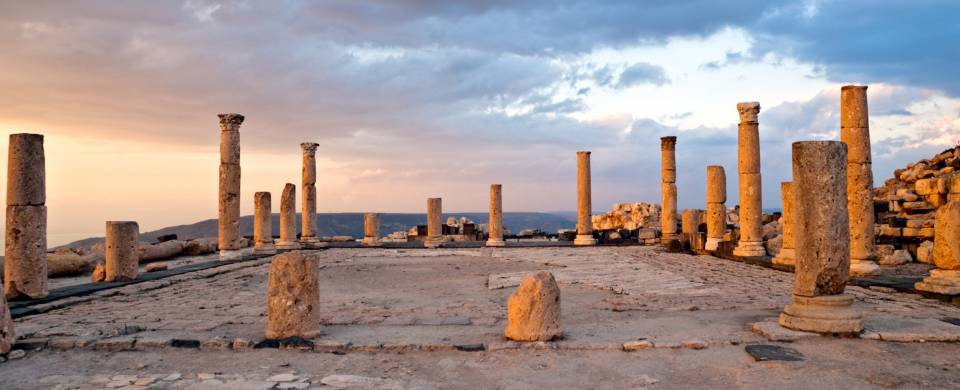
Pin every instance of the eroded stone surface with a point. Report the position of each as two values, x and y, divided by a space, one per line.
25 252
122 259
7 335
288 218
293 296
228 215
533 311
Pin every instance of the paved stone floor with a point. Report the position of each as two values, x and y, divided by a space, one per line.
416 318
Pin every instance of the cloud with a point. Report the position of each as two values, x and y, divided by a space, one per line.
642 73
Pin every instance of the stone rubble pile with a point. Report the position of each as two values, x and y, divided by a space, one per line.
628 216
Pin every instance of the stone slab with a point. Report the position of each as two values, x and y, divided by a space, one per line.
903 329
766 352
774 332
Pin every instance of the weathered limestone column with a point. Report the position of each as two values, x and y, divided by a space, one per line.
263 224
495 227
121 243
584 210
855 132
7 335
288 218
689 222
945 279
228 226
823 241
371 229
668 189
25 254
787 255
748 167
308 199
293 296
716 209
434 224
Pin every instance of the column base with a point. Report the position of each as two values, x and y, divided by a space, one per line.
287 245
496 243
822 314
941 281
231 254
265 249
371 242
863 267
312 243
787 256
750 249
665 238
712 244
584 240
433 242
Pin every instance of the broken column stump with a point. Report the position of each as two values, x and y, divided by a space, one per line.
945 279
288 218
25 252
533 311
122 258
293 296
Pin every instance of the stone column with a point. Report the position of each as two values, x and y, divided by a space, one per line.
434 224
716 209
495 225
787 255
371 229
228 226
823 241
263 224
293 296
25 254
668 189
584 210
855 132
945 279
288 218
121 244
690 222
308 198
7 335
748 168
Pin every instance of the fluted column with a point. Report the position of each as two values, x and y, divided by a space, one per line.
263 224
855 132
25 253
716 209
668 189
787 254
434 224
308 199
748 168
288 218
371 229
822 240
495 225
228 226
584 210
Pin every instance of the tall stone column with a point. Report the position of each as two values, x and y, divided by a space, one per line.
293 296
855 132
308 217
668 189
434 224
121 255
748 168
690 223
25 254
288 218
371 229
716 209
263 224
788 254
495 227
823 241
228 226
584 210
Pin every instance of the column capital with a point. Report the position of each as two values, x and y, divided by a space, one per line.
668 143
309 148
748 111
583 152
230 121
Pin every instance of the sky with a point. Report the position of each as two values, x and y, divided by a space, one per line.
411 99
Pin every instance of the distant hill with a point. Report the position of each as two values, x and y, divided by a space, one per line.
351 224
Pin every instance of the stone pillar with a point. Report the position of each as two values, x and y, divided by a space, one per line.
716 209
495 225
293 296
121 244
668 189
788 254
7 335
263 224
584 210
25 254
945 279
855 132
434 224
228 226
308 198
748 168
690 222
371 229
288 218
822 241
